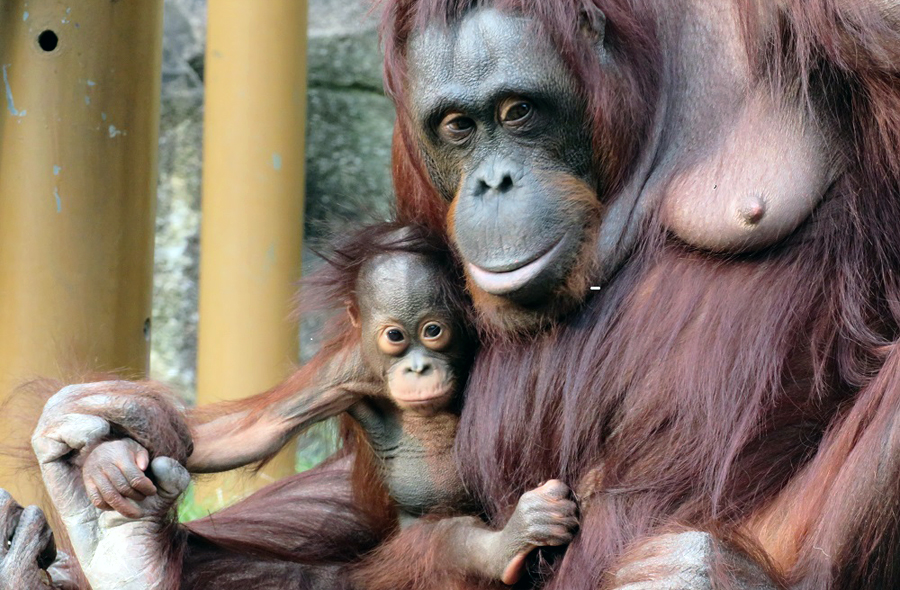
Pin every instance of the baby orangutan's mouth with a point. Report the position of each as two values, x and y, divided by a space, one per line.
422 399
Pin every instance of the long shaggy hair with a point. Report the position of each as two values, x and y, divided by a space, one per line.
753 397
715 392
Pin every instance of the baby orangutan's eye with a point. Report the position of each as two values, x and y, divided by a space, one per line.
392 341
435 335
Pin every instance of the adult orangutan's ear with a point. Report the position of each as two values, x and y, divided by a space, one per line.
353 313
593 24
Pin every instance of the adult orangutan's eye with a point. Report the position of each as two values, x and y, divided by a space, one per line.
456 127
515 112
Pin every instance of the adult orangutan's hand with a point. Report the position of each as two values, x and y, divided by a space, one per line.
27 550
141 410
114 552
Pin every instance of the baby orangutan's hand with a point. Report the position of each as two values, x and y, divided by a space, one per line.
115 480
544 517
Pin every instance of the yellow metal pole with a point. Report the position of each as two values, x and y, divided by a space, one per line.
80 93
254 133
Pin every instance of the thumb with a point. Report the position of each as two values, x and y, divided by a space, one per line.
171 478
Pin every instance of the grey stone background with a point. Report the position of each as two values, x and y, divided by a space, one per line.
347 159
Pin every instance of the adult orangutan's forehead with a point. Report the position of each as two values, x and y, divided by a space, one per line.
485 52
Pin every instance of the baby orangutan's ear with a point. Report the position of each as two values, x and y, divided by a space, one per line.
353 312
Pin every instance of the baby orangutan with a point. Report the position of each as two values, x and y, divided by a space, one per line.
399 376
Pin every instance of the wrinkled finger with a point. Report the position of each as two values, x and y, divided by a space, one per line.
554 509
543 519
568 523
135 476
565 508
543 534
557 535
64 396
551 517
119 503
32 538
122 484
139 454
57 437
554 490
10 511
94 494
172 478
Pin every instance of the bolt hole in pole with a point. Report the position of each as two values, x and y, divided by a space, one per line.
48 40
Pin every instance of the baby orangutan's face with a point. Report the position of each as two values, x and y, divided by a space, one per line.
408 336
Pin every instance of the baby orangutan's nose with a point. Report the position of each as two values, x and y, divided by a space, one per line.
419 365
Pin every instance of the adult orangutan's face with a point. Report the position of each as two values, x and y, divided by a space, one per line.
506 140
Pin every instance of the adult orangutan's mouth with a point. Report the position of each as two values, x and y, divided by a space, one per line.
505 282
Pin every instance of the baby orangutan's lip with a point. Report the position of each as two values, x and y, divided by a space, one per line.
423 396
419 399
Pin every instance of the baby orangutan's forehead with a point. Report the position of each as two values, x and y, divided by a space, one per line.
400 285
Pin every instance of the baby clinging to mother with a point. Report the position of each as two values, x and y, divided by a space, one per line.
674 219
398 377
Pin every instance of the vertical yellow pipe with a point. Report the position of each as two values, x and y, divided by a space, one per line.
79 93
251 238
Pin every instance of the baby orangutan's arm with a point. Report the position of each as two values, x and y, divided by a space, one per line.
464 548
233 434
544 517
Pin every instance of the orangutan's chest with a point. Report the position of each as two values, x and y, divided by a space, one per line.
419 467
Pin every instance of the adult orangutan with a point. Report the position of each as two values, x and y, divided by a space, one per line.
728 174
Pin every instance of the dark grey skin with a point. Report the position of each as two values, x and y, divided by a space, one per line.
27 548
729 167
401 385
498 117
496 111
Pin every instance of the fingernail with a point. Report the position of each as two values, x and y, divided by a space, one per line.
142 462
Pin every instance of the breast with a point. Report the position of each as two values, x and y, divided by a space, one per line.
770 168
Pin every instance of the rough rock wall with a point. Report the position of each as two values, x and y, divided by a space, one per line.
347 159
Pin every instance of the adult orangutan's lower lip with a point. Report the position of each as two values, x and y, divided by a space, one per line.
502 283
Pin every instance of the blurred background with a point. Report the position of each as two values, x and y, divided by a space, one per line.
349 126
76 140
